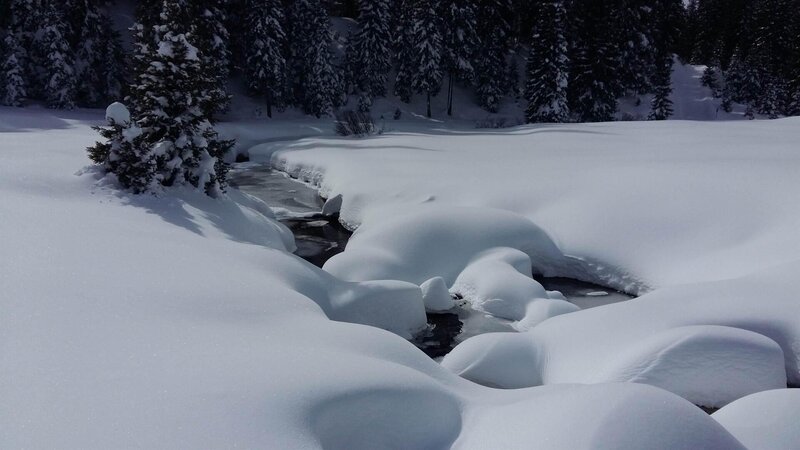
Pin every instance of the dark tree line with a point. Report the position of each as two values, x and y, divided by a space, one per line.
752 48
569 60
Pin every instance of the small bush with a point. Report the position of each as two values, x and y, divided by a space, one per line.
355 123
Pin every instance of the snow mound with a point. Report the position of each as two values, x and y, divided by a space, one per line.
395 306
606 417
436 296
707 365
118 113
766 420
498 281
487 256
418 243
503 360
745 346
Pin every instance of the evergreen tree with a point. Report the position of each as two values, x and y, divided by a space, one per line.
548 65
494 31
266 62
668 17
172 95
593 84
459 42
57 62
661 105
126 152
210 35
12 80
369 52
317 88
427 78
635 26
405 49
99 60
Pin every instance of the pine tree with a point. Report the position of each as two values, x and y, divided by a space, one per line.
427 78
369 52
51 45
172 98
317 87
125 153
12 80
405 49
460 44
661 105
634 24
494 31
668 18
593 85
99 59
266 61
548 65
210 35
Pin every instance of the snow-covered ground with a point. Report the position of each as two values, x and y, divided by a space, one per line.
184 322
701 217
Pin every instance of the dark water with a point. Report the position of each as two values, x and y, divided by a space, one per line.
319 238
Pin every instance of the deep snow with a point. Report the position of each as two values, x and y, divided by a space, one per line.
184 322
703 218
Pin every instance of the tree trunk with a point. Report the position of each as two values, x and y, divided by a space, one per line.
450 95
269 108
429 105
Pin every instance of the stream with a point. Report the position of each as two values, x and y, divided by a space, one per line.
319 238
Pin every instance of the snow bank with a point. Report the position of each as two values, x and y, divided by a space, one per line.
765 420
486 256
577 417
700 217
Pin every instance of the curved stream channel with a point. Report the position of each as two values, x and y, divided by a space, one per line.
320 237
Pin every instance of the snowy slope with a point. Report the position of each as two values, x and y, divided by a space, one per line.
182 322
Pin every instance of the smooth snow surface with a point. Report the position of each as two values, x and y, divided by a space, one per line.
767 420
181 321
703 218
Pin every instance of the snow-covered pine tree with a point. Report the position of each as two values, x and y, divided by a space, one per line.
593 84
99 58
459 42
57 58
265 52
210 35
427 78
171 95
318 88
494 32
548 65
664 34
369 51
634 24
25 21
404 49
12 79
661 105
125 152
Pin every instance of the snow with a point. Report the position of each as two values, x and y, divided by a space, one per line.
764 420
701 219
436 296
182 321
